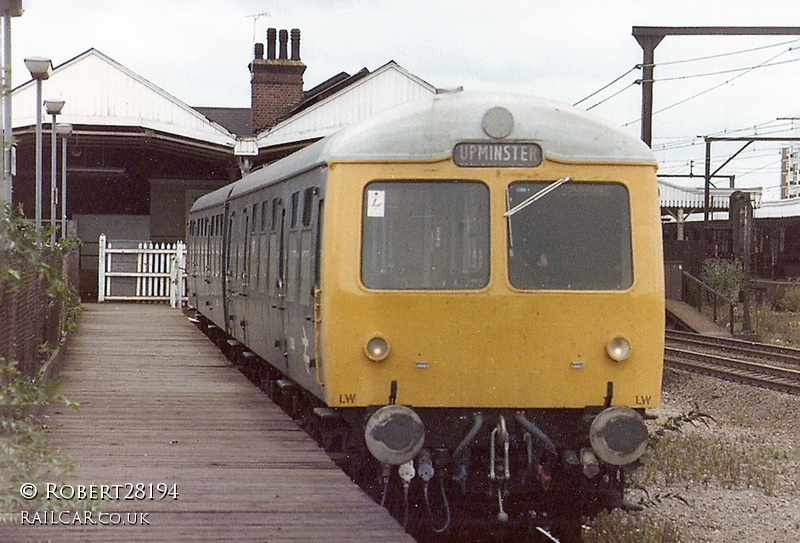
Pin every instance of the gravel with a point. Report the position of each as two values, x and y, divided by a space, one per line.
746 414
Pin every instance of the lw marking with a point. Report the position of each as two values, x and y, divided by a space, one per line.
347 398
644 400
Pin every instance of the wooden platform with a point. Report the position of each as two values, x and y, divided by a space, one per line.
160 404
694 320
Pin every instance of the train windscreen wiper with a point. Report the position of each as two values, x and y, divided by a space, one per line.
542 193
525 203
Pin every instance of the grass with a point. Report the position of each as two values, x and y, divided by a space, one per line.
777 327
682 457
620 527
714 460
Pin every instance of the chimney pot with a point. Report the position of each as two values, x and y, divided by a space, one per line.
271 36
276 85
283 40
259 51
295 44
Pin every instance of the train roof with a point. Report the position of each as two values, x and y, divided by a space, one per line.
429 129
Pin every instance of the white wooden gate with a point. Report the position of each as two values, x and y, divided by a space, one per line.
141 271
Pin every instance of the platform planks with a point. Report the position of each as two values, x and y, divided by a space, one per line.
160 404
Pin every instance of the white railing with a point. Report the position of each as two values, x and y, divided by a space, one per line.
141 271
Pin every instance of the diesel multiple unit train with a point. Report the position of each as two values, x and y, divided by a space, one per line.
465 291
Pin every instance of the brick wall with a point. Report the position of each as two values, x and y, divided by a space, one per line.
276 87
276 82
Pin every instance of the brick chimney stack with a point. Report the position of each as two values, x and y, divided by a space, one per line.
276 82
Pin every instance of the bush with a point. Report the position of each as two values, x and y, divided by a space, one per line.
789 300
724 276
25 454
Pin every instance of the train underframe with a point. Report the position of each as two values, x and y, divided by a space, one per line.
495 469
479 469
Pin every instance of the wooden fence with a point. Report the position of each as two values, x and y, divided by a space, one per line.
141 271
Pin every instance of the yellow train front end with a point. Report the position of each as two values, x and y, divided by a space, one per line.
475 335
495 316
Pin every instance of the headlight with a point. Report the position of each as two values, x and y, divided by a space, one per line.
618 436
394 434
618 349
377 349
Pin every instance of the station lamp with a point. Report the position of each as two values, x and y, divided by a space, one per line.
53 108
40 68
64 130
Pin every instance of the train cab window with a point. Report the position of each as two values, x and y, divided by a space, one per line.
576 237
425 235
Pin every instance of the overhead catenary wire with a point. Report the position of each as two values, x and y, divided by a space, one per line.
732 70
604 87
610 97
728 54
766 128
706 91
674 62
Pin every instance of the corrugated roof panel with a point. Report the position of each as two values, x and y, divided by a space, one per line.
674 196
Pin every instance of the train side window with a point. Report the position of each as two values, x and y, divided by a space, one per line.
308 205
228 249
318 245
295 209
277 204
254 218
264 211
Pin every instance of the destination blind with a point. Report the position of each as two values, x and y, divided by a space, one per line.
497 154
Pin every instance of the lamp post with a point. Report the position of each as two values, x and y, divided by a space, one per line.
39 68
53 108
63 130
9 9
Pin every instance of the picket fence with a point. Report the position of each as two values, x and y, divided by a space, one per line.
141 271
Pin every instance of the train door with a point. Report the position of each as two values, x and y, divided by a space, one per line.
299 323
229 272
276 292
290 313
244 278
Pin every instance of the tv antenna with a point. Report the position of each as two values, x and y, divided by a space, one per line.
256 17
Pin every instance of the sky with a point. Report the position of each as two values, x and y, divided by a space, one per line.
565 50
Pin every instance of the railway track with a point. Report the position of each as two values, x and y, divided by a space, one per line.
758 364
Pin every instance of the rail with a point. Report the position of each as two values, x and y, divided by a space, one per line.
716 298
766 366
